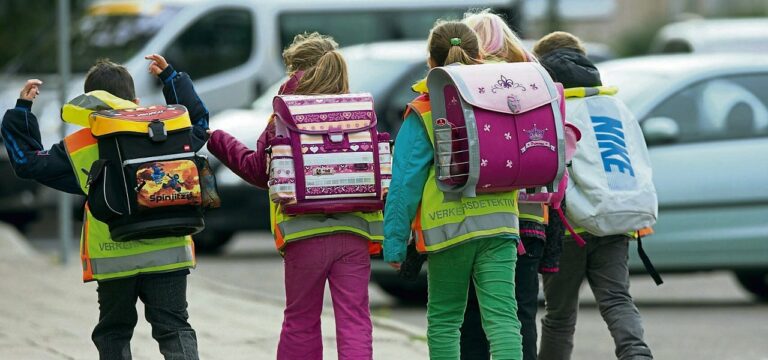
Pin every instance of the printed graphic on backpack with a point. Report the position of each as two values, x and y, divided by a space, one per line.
168 183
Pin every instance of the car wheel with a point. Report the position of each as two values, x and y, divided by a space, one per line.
406 292
755 282
211 241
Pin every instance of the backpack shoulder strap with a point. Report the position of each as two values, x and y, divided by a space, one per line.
647 262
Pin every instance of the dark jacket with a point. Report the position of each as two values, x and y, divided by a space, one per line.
571 68
52 168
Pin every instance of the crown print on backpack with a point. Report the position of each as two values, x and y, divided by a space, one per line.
536 138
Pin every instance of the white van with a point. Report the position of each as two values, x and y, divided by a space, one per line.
231 48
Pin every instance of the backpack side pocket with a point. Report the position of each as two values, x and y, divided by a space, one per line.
209 189
103 199
282 172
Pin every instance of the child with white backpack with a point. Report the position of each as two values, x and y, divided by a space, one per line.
610 195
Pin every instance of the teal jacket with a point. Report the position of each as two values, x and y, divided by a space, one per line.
413 155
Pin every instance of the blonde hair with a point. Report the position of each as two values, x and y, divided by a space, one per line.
325 71
557 40
498 41
451 42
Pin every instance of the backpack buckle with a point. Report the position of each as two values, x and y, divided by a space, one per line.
336 137
157 131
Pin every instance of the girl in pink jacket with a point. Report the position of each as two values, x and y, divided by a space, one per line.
340 258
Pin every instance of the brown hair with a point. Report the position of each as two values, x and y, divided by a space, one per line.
325 71
444 48
558 40
110 77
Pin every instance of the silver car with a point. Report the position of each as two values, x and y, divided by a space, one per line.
705 119
709 36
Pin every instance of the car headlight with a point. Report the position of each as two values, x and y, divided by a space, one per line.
225 177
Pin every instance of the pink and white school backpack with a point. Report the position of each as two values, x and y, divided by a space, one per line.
327 156
497 127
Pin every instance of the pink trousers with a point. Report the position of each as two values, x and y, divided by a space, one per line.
342 260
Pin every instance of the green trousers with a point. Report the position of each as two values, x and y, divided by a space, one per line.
491 264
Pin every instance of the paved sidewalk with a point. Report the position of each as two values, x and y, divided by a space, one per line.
46 312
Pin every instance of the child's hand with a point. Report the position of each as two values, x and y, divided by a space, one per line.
394 265
157 64
31 90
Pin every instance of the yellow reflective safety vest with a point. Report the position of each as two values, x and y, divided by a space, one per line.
538 213
287 228
441 224
102 258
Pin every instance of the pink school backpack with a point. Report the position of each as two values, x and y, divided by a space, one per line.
572 136
497 127
555 199
327 156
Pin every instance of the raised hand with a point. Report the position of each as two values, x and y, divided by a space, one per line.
31 89
157 64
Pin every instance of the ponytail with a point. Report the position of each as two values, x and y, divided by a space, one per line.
328 76
451 42
457 55
321 68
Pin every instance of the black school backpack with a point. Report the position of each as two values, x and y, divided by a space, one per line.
148 182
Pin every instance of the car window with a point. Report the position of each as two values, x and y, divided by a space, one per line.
749 114
350 27
216 42
118 37
722 108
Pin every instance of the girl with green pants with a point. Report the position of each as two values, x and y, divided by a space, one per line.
465 238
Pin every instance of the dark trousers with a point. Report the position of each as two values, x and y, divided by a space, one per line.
474 345
603 262
165 302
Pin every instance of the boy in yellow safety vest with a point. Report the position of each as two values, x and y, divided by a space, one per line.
153 271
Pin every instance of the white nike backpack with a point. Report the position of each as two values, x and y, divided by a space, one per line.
610 189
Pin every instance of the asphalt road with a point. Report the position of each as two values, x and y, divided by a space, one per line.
694 316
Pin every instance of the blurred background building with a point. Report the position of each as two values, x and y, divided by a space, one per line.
629 26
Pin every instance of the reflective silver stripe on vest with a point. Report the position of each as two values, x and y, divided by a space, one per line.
470 224
533 209
312 222
162 257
